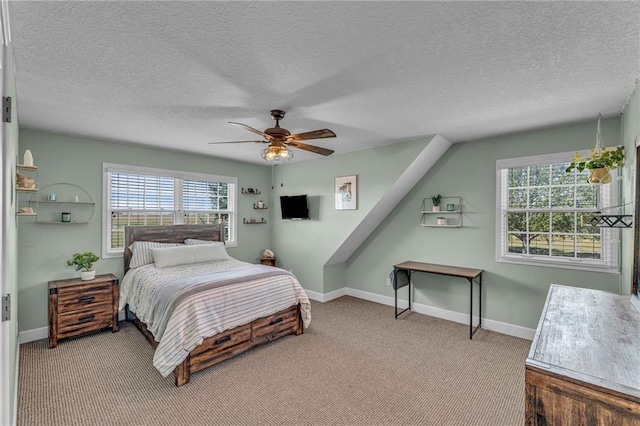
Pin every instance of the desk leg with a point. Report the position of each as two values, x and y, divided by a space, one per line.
471 308
480 301
395 292
473 330
409 287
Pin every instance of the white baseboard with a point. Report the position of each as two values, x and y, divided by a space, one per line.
487 324
15 389
325 297
43 332
33 334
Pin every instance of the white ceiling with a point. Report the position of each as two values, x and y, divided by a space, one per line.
173 73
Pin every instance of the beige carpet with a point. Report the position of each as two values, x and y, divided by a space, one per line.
355 365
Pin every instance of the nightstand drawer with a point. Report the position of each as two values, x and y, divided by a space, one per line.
85 320
72 299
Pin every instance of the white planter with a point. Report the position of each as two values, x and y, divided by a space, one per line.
436 208
88 275
442 221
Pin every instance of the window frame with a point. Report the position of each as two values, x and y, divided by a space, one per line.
606 194
178 177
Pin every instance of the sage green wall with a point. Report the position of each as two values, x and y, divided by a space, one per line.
630 130
512 294
305 246
11 135
44 249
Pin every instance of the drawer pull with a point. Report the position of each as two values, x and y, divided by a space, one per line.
86 299
88 318
222 340
275 321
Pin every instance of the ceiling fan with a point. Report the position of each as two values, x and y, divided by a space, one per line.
280 138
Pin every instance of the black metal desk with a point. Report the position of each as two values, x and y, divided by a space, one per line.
432 268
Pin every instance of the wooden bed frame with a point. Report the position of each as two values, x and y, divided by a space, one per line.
223 345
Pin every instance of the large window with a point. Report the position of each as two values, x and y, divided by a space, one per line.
543 215
143 196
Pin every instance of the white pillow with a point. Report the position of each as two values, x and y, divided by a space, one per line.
185 255
141 254
194 242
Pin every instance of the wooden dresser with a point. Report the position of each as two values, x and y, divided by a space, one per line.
77 307
584 364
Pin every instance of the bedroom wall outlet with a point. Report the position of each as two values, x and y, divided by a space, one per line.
388 282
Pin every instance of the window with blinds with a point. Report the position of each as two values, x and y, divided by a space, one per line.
143 196
542 215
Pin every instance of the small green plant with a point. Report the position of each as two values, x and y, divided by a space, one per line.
83 261
436 199
609 157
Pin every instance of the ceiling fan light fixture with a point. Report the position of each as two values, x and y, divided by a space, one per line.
277 154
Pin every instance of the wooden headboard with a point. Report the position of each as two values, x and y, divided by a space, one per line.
169 234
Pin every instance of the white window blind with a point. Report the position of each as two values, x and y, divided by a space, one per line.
542 215
144 196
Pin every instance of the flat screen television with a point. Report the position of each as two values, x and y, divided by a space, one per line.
294 207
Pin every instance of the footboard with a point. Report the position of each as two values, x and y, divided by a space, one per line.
230 343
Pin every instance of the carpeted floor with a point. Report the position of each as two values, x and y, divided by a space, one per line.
355 365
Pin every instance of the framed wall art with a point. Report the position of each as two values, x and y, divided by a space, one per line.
346 192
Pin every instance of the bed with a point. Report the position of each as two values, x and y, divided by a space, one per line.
272 304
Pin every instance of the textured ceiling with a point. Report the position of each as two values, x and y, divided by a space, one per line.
173 73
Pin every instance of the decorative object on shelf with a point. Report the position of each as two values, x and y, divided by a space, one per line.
27 159
600 161
253 221
346 192
64 197
449 218
84 261
251 191
260 205
25 182
65 217
436 202
268 254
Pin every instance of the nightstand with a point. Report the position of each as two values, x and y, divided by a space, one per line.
78 307
271 261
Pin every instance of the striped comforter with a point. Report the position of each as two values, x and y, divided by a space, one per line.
183 305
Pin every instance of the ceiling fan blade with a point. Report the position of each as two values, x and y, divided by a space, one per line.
311 148
216 143
251 129
314 134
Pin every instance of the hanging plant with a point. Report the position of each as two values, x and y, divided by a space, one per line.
600 161
611 157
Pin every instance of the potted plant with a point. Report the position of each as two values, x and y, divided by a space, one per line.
436 202
84 261
599 163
